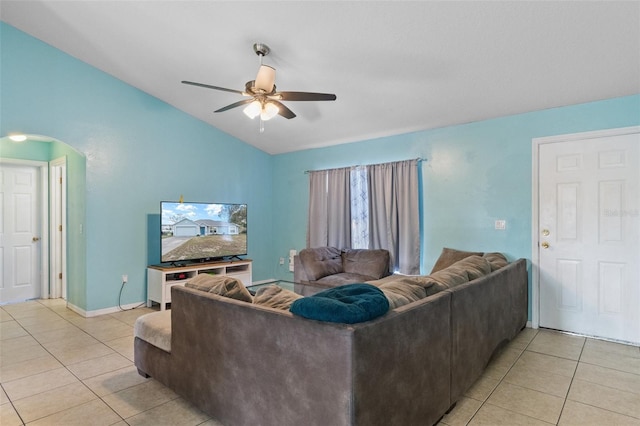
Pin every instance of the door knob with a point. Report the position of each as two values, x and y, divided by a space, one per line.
545 245
34 239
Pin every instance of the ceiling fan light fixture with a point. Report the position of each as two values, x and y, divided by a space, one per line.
269 110
253 109
266 78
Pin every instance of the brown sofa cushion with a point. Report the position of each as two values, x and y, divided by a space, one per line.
497 260
476 266
450 277
321 261
342 279
222 285
450 256
400 293
275 297
370 262
202 282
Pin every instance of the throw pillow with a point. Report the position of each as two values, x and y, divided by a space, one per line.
275 297
450 256
349 304
423 281
204 282
497 260
222 285
475 266
401 293
449 277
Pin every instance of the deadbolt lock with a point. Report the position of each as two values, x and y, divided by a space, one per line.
545 232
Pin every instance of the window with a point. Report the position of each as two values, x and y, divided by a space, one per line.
371 207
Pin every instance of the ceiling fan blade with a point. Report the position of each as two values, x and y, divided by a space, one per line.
283 110
306 96
208 86
235 105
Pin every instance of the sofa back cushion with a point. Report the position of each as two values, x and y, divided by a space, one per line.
321 261
368 262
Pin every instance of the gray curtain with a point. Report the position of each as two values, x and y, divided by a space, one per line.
329 209
394 213
394 217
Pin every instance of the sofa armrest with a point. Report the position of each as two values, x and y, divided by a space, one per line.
299 274
485 314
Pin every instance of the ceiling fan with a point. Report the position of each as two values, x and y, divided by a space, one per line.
264 99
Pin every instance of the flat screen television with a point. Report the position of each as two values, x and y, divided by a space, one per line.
201 232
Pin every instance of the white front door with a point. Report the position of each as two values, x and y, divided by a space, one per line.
589 236
20 233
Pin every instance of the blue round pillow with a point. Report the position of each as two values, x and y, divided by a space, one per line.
349 304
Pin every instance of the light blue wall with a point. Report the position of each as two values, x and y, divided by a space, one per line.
138 151
473 174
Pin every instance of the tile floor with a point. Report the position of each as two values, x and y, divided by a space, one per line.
58 368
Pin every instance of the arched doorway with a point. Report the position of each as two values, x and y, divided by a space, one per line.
58 237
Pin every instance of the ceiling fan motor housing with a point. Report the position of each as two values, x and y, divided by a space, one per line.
261 49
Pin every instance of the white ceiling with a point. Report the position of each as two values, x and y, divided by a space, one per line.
395 67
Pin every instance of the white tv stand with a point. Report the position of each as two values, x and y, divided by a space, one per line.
160 279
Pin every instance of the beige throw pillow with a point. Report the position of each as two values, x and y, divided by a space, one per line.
204 282
476 266
449 277
497 260
275 297
222 285
401 293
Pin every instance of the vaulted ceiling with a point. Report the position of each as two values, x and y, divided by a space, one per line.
395 67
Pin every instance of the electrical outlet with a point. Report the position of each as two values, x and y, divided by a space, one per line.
282 260
501 224
125 278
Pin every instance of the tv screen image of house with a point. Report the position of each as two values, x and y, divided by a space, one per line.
202 231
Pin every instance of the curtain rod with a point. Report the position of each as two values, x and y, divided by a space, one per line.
419 159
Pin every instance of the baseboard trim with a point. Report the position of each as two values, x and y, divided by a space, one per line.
104 311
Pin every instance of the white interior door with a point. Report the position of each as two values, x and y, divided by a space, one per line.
58 231
20 232
589 236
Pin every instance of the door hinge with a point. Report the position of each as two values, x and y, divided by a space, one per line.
60 228
60 178
60 276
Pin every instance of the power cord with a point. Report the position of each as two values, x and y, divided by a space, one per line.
120 300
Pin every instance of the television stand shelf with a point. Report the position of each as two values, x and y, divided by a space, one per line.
160 279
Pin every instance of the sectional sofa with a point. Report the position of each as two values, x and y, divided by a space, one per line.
245 363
